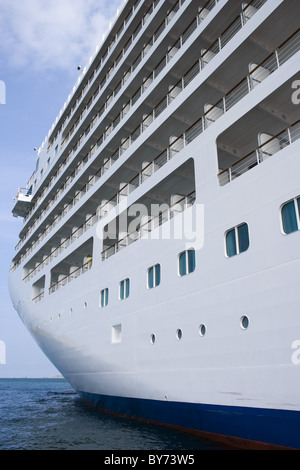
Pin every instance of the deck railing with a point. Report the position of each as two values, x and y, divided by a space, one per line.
270 146
39 297
174 91
107 104
69 277
286 50
257 75
151 223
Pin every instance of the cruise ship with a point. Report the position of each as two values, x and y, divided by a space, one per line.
158 262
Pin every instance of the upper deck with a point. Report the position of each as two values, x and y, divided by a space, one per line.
156 88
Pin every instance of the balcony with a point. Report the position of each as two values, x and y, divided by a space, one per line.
22 203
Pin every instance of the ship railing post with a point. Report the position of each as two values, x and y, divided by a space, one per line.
289 135
277 58
220 43
224 104
203 123
259 155
250 83
243 18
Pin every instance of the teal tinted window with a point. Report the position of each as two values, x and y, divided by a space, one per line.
182 264
289 217
237 240
243 237
151 278
231 243
124 289
191 260
157 274
187 262
104 298
154 276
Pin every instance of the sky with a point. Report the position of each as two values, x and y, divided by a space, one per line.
41 44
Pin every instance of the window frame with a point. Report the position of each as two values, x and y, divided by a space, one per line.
124 289
104 295
188 264
156 278
296 201
237 247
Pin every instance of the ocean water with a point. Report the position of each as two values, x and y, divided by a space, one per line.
46 414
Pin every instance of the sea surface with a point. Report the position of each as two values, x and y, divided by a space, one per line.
46 414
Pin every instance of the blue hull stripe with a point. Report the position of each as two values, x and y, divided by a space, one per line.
275 427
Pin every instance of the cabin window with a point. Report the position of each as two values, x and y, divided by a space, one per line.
104 298
237 240
154 275
202 329
244 322
124 289
187 262
290 214
179 334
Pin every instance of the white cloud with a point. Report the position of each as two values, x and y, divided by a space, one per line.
47 34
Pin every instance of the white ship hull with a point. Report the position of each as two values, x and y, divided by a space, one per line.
237 382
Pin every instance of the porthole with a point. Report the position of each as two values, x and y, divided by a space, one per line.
85 304
71 311
202 329
244 322
179 334
152 339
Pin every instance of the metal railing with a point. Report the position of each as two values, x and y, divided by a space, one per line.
174 91
39 297
107 103
197 128
270 146
285 51
69 277
182 204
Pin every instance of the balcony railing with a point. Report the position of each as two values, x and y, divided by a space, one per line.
97 68
201 16
206 56
195 130
107 103
270 145
285 51
76 272
38 298
181 204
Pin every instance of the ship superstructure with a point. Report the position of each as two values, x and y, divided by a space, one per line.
158 262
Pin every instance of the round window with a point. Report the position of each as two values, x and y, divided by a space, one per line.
244 322
202 330
179 334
